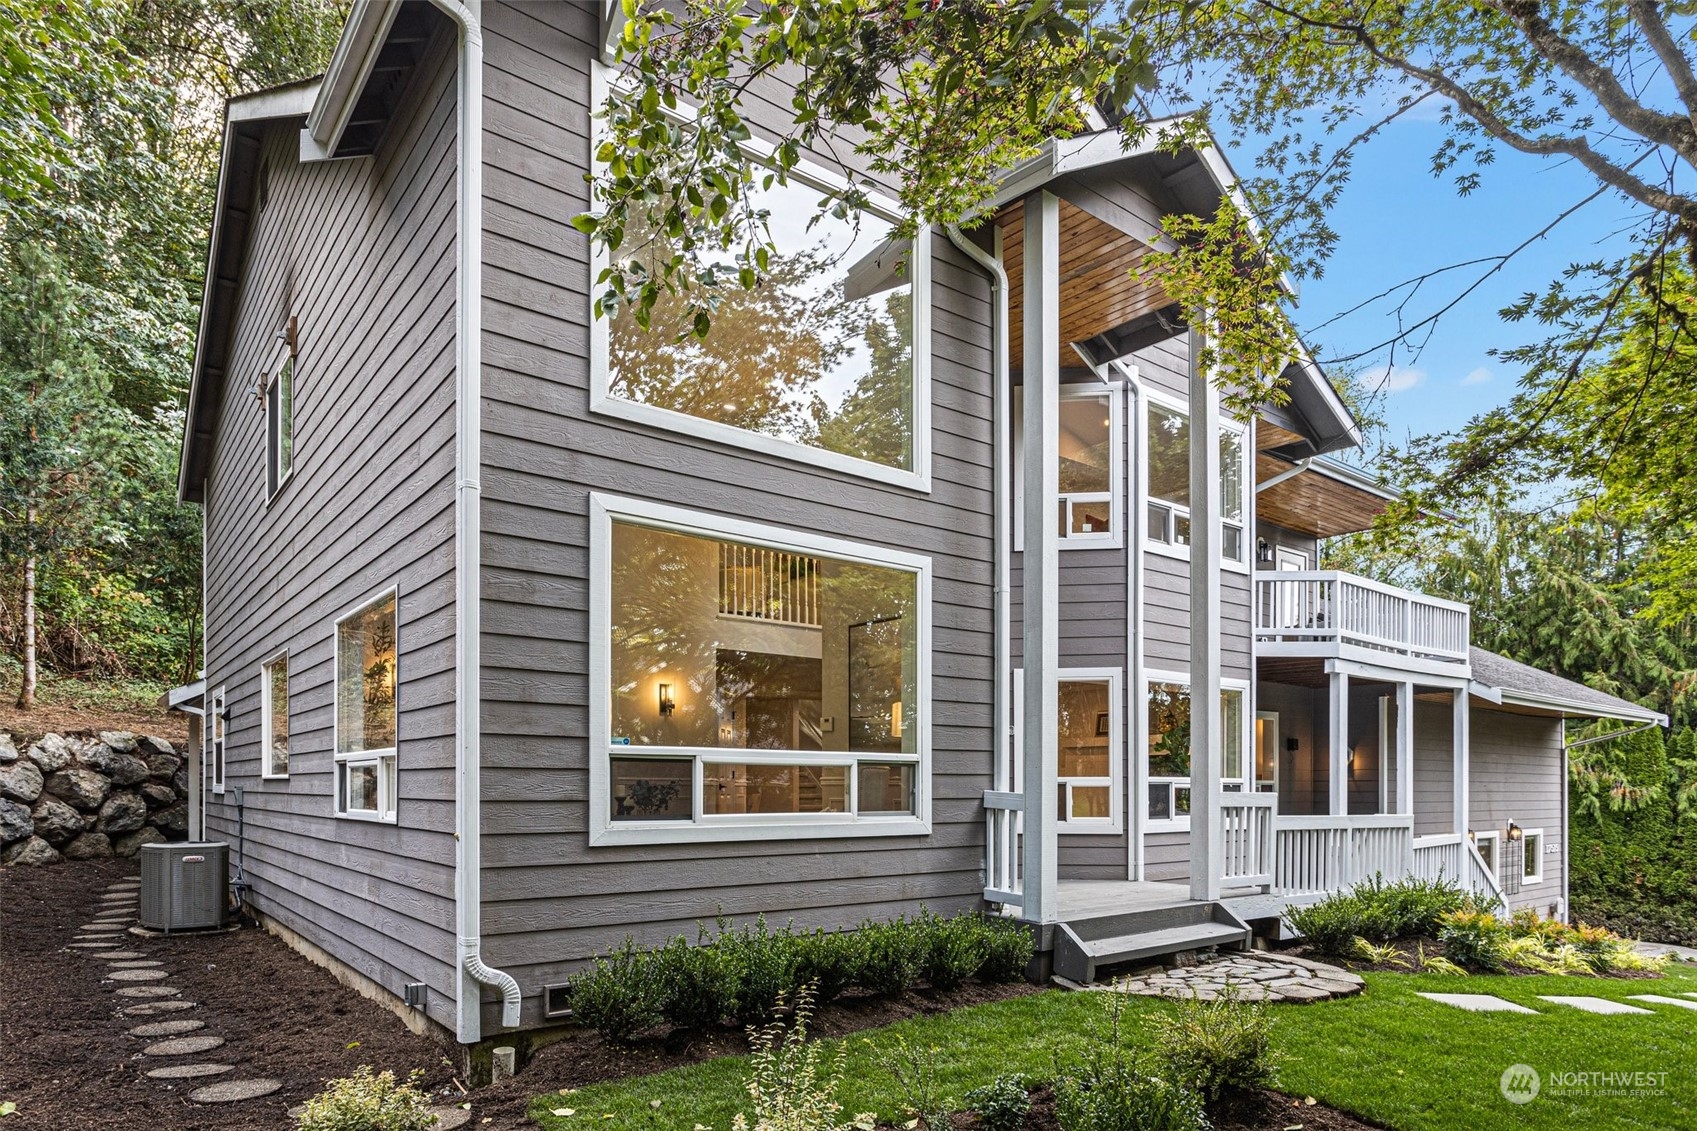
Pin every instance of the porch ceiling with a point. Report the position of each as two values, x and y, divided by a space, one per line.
1098 291
1312 502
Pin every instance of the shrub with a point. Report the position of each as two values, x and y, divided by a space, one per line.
620 996
1378 912
765 965
951 950
1008 947
792 1085
1113 1094
1001 1104
1215 1047
1474 939
829 961
914 1069
698 983
891 956
367 1102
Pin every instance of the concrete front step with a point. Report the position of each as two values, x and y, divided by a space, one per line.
1084 946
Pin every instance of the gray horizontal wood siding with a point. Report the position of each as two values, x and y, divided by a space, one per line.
1517 773
550 900
361 253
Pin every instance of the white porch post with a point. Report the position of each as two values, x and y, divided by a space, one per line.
1337 762
1405 747
1206 752
1463 759
1042 557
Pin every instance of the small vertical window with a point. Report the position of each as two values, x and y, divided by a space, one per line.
1168 462
1233 502
1487 844
1090 458
279 392
274 721
1532 867
366 717
215 741
1168 756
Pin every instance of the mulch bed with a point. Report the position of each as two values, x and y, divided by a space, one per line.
67 1061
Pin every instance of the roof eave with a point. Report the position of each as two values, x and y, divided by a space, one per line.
1566 708
350 66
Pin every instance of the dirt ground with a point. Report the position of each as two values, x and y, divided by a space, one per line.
57 718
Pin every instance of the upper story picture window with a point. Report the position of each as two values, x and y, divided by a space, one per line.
1091 459
816 362
366 718
279 394
1168 463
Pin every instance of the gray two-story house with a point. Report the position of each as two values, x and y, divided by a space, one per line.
527 631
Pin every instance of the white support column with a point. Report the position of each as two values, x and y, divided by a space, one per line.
1405 748
1206 751
1042 552
1337 761
1463 759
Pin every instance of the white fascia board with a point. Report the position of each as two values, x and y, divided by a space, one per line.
350 66
1573 708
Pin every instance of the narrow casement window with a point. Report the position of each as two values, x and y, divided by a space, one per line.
1167 771
214 734
1487 844
1168 461
1089 759
1090 467
1233 495
758 683
366 718
1532 862
279 419
274 716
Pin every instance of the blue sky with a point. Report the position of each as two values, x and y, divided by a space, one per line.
1396 221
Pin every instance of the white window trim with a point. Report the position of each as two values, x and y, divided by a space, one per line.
284 354
602 402
267 711
1246 740
1496 840
1116 537
1115 679
603 511
216 738
387 806
1527 836
1244 563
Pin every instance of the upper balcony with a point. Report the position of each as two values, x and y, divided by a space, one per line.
1326 613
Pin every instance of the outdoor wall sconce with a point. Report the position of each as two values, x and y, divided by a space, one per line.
1263 551
1514 831
667 704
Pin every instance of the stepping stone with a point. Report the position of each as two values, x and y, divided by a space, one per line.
184 1046
450 1118
1478 1003
1658 999
150 1008
116 955
136 975
92 944
166 1028
231 1091
149 991
190 1071
1595 1004
96 928
143 964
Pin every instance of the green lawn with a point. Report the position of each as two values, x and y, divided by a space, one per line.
1399 1059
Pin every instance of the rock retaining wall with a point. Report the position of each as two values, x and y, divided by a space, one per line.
81 797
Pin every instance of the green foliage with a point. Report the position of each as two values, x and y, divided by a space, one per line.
953 949
1217 1047
765 965
894 952
1375 911
367 1102
620 996
1112 1093
1476 940
700 984
1008 949
913 1067
791 1084
829 961
1001 1104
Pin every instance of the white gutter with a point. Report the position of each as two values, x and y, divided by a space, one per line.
472 972
1002 771
350 67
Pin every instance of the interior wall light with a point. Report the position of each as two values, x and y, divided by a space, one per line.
667 703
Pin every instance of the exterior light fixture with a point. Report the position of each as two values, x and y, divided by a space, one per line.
667 703
1515 832
1263 550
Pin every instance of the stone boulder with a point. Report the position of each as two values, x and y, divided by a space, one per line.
163 766
20 781
180 780
30 853
122 768
8 749
89 846
122 813
147 746
16 823
174 819
51 753
120 740
157 796
82 788
56 822
131 844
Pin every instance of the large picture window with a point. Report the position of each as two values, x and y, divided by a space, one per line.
1168 462
1091 459
274 716
1167 765
754 677
824 359
366 717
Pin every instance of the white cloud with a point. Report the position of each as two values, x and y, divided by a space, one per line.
1393 378
1478 377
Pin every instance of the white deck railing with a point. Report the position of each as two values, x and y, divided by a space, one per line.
1001 847
1327 607
1246 839
1453 857
1322 854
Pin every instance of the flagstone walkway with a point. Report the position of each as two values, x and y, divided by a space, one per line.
1245 976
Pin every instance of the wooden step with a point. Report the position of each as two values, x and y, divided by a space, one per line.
1083 947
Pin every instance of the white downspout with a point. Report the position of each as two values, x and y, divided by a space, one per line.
471 972
1002 777
1136 742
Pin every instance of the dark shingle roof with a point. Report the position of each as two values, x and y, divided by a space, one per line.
1520 681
